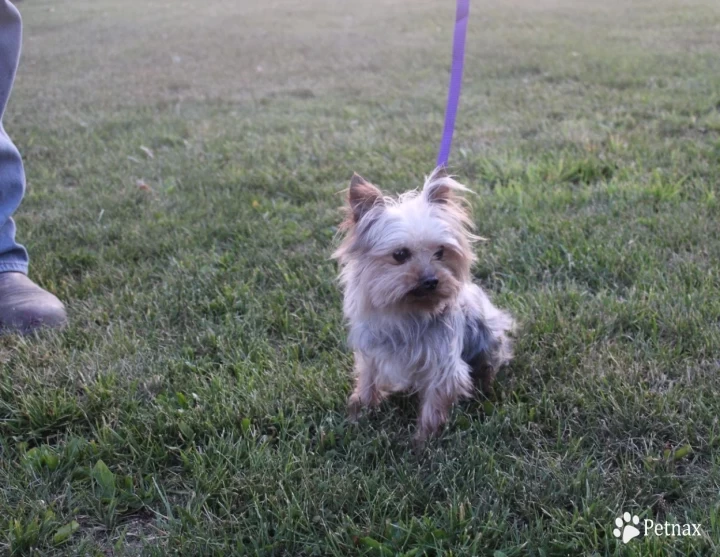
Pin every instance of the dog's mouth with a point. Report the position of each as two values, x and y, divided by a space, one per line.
421 293
422 300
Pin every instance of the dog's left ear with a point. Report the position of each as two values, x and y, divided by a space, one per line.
440 188
440 172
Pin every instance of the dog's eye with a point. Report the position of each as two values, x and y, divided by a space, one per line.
439 253
401 255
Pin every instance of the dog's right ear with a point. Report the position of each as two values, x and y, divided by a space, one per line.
362 197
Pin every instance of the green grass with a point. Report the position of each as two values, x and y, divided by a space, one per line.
196 404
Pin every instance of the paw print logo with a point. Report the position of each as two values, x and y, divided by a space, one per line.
626 527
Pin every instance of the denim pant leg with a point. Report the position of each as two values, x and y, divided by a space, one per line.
13 256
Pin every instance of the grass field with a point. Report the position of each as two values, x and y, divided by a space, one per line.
196 404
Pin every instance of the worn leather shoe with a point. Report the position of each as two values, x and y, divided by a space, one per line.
25 307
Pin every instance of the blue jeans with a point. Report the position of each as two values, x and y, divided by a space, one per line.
13 256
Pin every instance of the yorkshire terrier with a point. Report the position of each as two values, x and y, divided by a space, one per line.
417 322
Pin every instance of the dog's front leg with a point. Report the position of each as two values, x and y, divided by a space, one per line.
366 392
442 390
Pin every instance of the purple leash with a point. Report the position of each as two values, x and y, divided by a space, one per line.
458 57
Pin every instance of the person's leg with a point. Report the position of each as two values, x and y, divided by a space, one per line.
23 305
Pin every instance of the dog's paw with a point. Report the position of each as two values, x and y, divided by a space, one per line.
419 440
354 407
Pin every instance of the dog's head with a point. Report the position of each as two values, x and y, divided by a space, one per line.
409 254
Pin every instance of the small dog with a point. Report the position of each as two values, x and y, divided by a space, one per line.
417 323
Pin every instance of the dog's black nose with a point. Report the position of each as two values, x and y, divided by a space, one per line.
430 283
